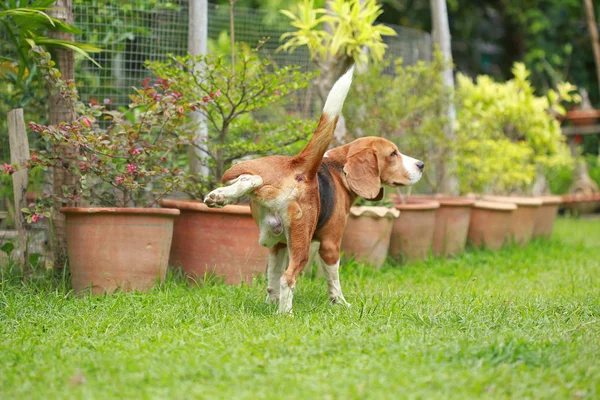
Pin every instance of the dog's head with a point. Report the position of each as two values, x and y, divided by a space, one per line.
373 161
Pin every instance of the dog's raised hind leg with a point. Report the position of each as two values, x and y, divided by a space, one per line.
236 188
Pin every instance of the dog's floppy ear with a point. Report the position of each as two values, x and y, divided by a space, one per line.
362 174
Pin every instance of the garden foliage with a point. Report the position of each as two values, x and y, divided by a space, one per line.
119 160
506 134
249 118
352 37
408 108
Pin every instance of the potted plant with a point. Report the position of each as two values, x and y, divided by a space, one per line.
412 234
224 241
507 138
368 231
120 162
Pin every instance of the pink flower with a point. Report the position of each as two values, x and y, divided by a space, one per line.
218 93
137 151
36 127
131 169
166 170
9 169
36 217
86 122
119 180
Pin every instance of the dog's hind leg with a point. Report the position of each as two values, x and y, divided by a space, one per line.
299 251
236 188
278 259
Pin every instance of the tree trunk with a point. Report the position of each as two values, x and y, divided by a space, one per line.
197 45
593 27
441 36
59 111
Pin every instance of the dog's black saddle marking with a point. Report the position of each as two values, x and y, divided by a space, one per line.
326 195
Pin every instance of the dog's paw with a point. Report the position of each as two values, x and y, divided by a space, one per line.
215 199
340 301
272 297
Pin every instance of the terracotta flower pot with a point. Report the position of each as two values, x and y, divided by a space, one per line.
220 241
523 218
546 215
412 235
580 203
490 223
125 248
451 225
579 117
367 234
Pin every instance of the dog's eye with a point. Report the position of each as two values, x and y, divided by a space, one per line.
394 154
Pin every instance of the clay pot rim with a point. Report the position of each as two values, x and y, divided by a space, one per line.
583 113
520 201
198 206
120 210
550 200
580 198
418 205
494 205
447 200
374 211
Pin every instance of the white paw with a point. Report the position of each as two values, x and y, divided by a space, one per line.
340 300
215 199
272 297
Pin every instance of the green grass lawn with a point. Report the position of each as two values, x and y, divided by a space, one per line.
519 323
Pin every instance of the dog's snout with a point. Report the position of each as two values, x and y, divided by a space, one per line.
420 165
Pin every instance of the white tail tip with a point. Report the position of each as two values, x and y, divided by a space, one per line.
337 94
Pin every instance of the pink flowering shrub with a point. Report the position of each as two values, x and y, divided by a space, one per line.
118 161
244 106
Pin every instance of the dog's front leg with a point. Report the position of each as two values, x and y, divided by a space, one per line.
330 259
237 188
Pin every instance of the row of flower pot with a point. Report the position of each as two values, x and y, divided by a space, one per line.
580 203
131 248
443 225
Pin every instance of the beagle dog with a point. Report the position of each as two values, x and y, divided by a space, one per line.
306 198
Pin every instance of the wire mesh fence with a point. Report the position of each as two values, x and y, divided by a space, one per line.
133 31
132 35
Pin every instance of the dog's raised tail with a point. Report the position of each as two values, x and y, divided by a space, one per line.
313 153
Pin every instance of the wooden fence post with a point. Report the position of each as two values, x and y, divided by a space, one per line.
19 153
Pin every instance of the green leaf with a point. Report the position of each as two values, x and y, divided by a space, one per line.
8 247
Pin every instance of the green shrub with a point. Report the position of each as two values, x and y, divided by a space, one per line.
506 134
408 108
238 126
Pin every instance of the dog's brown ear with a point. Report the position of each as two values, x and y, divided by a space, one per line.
362 174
